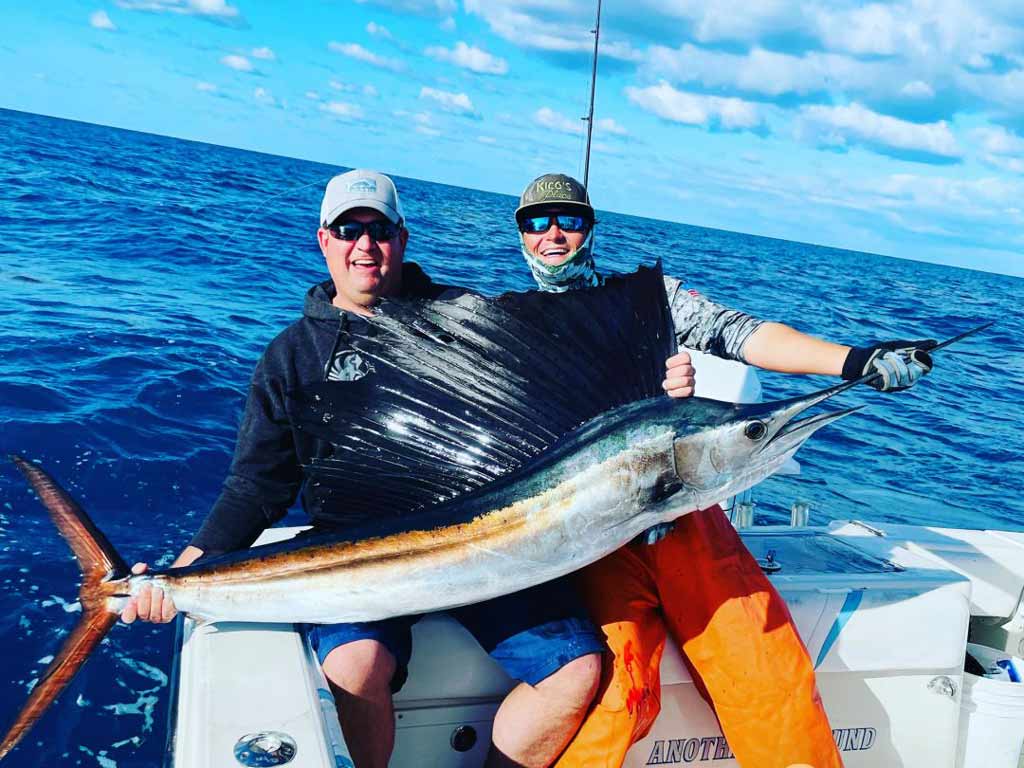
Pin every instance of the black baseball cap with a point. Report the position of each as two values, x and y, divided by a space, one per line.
554 189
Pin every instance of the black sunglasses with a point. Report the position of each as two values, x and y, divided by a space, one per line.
566 222
378 230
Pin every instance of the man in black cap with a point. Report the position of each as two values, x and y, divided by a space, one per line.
695 579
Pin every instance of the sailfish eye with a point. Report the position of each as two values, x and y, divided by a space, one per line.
755 430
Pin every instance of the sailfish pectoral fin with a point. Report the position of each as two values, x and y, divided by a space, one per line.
100 564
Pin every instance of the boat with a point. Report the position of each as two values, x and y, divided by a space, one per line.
886 611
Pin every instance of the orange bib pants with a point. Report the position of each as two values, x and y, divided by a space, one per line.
702 586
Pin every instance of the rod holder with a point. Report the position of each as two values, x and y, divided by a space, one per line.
743 515
799 513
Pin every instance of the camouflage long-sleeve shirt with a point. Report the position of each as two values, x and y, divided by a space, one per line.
703 325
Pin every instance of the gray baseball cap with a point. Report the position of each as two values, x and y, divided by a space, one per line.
554 189
360 189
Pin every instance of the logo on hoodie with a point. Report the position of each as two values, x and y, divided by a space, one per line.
348 365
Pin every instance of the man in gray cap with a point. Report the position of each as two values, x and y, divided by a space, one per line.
541 636
721 610
362 268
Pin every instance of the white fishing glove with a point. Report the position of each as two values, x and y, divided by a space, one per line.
900 363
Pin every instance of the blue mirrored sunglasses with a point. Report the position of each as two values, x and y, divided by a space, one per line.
566 222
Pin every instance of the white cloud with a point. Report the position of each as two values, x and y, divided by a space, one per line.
917 52
263 96
343 109
420 7
469 57
487 139
448 25
205 87
1001 90
312 95
458 103
212 7
973 198
263 53
760 71
376 30
871 29
608 125
918 89
425 124
979 61
356 51
548 25
238 63
695 109
970 62
999 141
835 199
736 21
950 32
953 31
101 20
1011 164
366 90
607 149
215 9
556 121
1000 148
856 124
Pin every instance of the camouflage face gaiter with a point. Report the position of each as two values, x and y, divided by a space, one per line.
577 271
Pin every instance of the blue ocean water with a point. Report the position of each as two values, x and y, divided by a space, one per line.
141 277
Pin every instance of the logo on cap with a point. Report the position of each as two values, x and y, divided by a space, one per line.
557 188
364 186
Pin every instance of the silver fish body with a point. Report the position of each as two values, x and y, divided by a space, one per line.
641 464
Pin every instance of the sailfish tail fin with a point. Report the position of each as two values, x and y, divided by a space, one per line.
100 566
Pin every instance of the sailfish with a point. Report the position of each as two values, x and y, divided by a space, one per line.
496 443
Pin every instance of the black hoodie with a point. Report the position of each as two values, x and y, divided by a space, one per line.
266 473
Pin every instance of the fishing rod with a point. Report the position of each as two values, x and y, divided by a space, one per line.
963 335
870 377
596 31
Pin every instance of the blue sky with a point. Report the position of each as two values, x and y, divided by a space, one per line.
893 127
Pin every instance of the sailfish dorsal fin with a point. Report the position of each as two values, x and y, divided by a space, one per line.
464 391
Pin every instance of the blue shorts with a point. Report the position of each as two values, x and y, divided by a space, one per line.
531 634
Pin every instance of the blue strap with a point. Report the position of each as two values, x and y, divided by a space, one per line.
851 604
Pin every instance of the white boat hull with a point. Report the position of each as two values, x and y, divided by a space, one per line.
888 644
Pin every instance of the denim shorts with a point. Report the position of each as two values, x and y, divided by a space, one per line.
531 634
